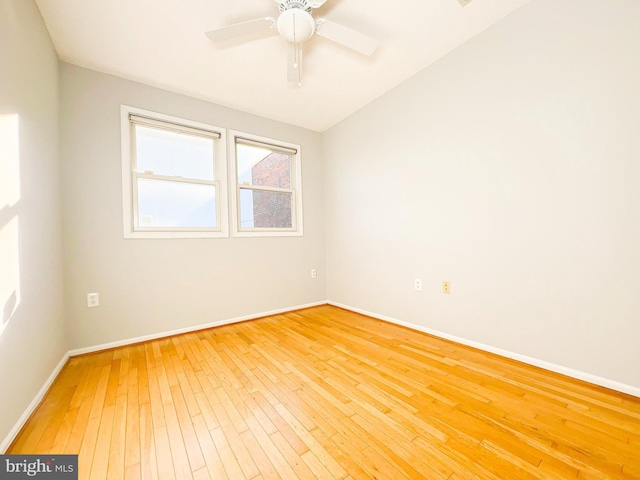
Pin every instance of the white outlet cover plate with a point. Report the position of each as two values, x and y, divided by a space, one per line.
93 300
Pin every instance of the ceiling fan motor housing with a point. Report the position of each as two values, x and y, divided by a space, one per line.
295 23
301 4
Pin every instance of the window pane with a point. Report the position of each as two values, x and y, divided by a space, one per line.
176 204
174 154
261 209
262 166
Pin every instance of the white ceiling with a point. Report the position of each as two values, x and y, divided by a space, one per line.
162 43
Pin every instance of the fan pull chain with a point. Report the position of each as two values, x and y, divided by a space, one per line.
296 52
295 43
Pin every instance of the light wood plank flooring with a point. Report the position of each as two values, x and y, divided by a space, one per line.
327 393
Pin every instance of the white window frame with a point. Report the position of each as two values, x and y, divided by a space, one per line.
295 190
129 176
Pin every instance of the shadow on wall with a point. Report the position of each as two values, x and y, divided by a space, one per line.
9 228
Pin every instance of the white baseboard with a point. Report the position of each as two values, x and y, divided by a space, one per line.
577 374
33 405
195 328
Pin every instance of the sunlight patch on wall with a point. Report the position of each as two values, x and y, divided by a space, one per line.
9 235
9 272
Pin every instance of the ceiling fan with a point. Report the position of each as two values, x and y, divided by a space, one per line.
296 25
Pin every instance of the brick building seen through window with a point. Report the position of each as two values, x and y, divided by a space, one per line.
272 209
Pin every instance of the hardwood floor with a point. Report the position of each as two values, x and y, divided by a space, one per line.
327 393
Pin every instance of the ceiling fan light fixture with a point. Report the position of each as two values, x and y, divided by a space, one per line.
296 25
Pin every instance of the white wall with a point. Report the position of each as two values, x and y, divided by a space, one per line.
32 340
511 168
152 286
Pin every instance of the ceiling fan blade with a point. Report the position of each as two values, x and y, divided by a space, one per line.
346 36
229 32
294 63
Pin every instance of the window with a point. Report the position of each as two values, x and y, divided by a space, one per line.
173 177
267 197
174 180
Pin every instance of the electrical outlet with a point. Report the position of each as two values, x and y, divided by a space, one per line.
93 300
314 273
417 284
446 287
